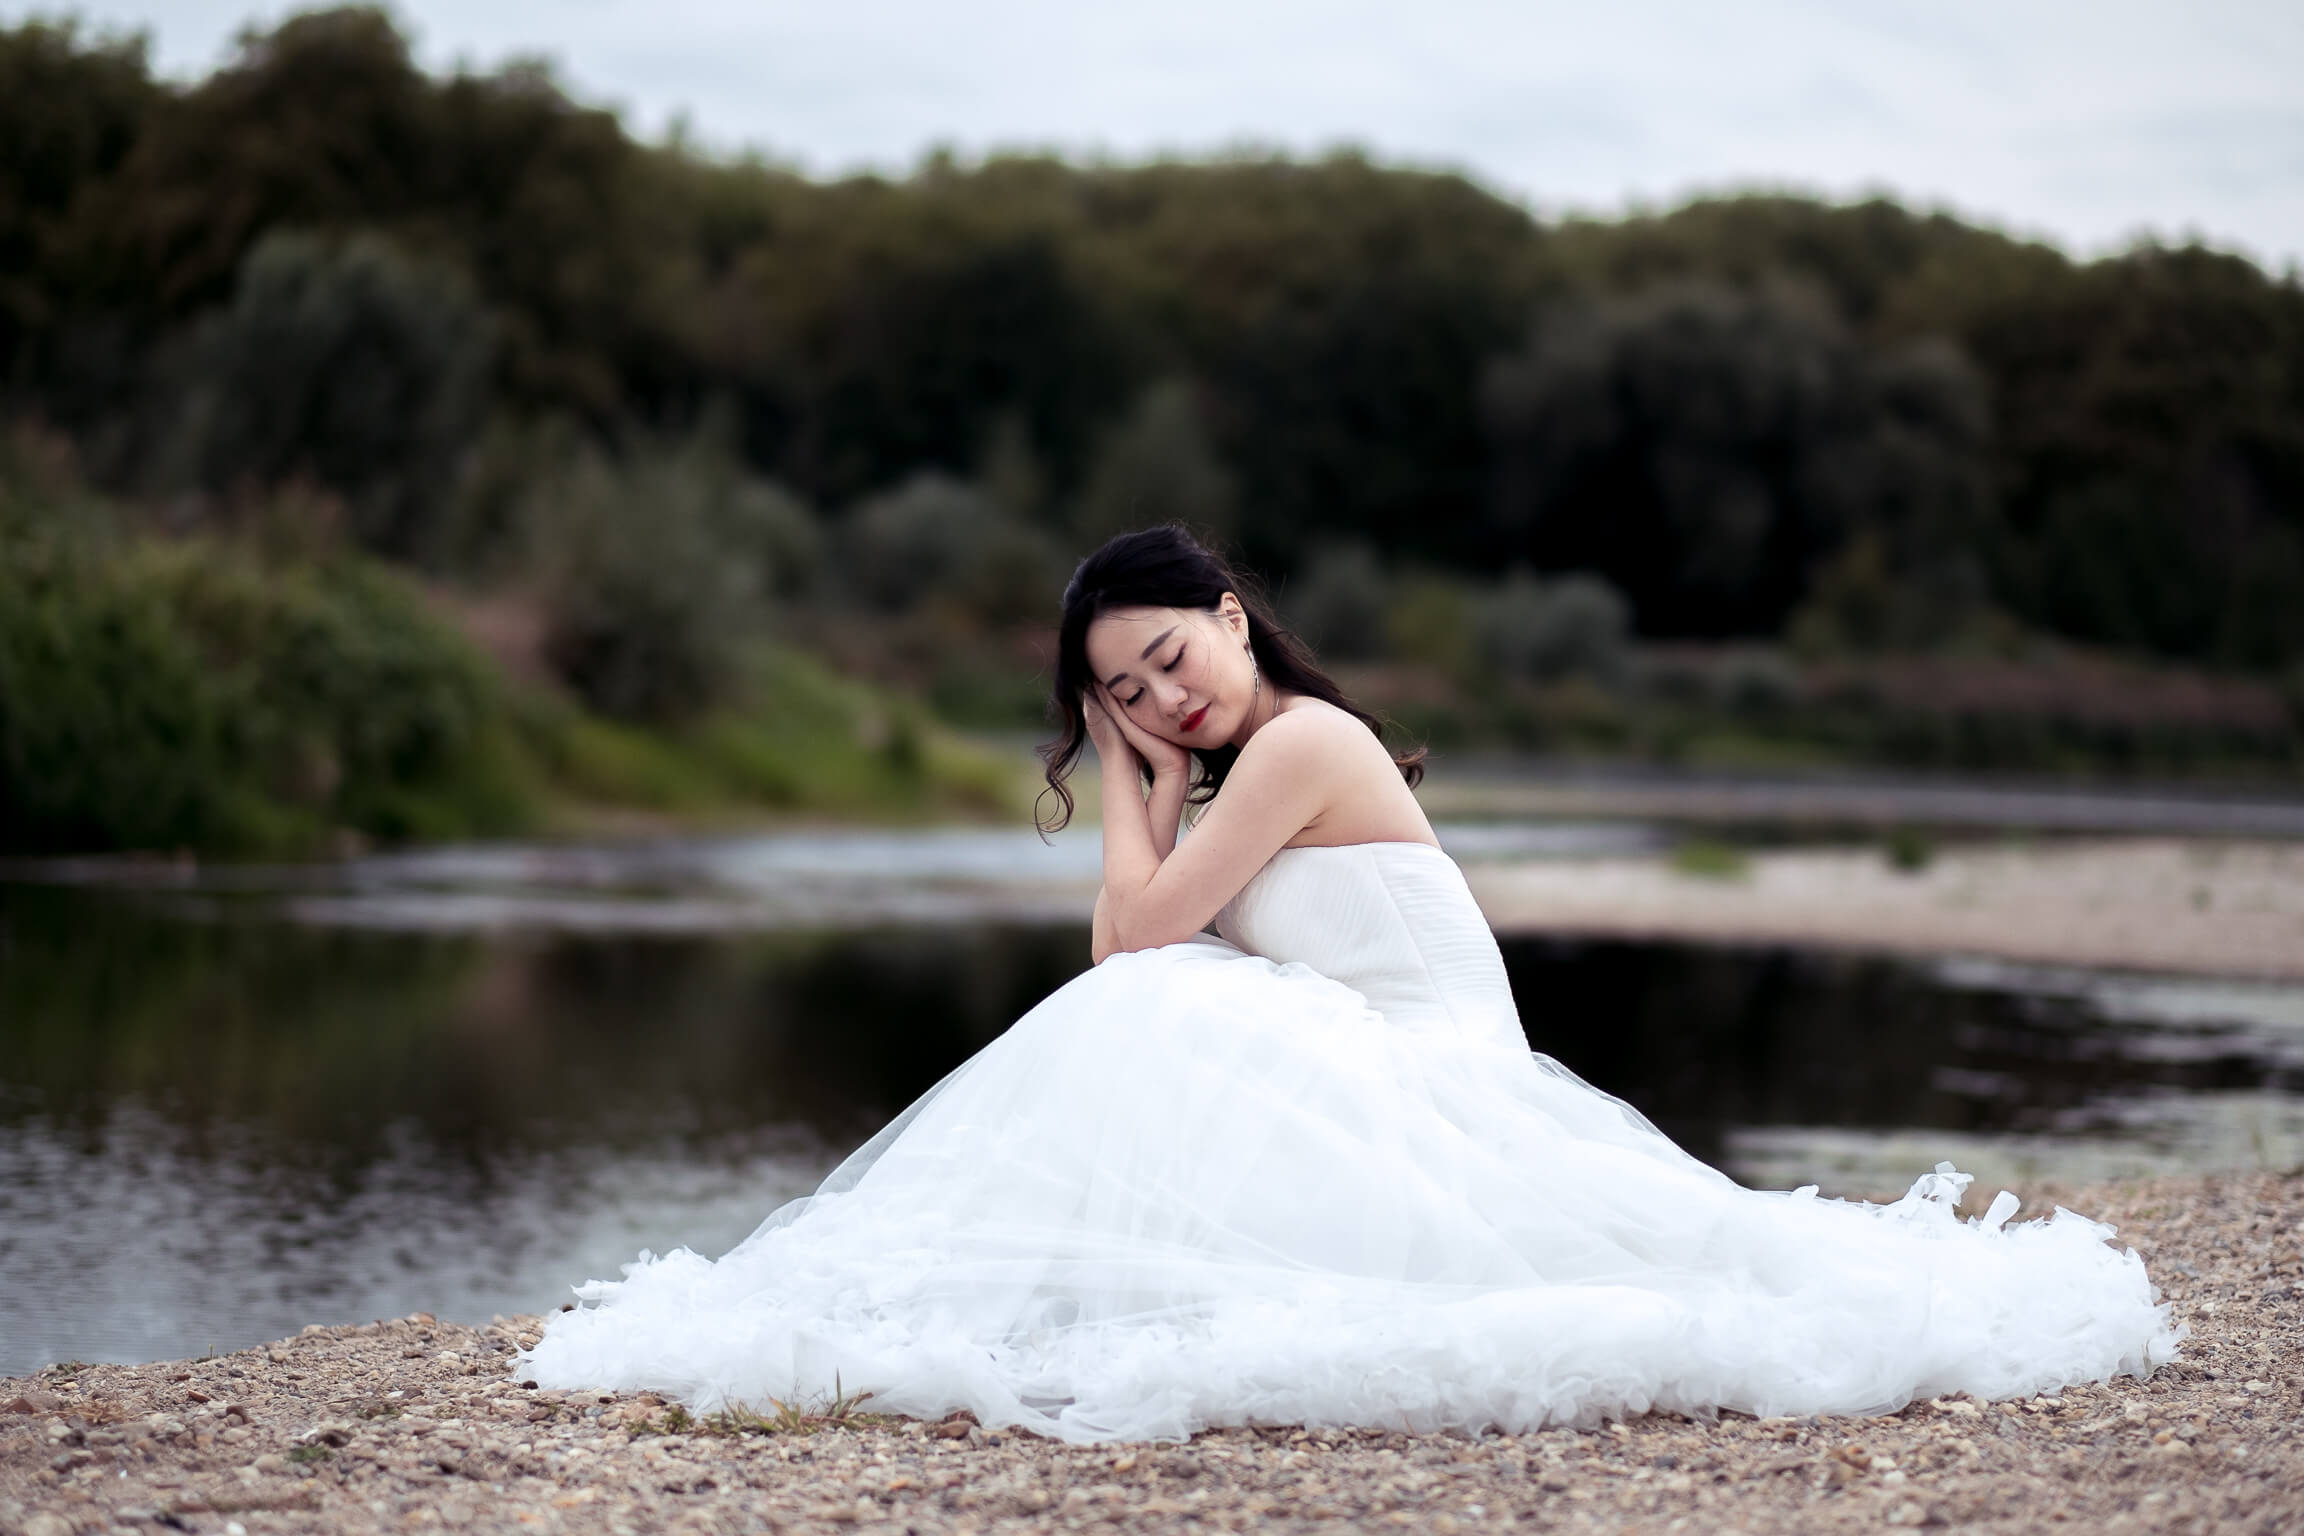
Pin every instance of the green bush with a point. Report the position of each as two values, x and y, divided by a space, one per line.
659 577
938 539
1431 622
1340 603
165 695
1577 626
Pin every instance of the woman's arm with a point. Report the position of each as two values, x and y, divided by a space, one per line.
1131 848
1143 825
1283 780
1164 809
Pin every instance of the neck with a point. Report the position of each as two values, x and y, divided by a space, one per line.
1265 703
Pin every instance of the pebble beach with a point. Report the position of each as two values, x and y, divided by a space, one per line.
416 1424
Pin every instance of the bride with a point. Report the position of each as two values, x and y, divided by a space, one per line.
1305 1169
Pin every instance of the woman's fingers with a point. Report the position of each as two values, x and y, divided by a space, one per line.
1104 723
1157 751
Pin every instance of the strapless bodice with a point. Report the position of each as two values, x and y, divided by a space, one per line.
1393 921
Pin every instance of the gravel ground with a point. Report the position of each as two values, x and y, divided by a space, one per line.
413 1424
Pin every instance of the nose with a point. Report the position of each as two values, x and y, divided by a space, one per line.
1172 697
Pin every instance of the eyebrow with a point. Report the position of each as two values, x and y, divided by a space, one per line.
1158 640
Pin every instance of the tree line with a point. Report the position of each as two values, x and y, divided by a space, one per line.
499 332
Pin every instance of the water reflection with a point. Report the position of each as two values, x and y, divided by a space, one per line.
222 1117
326 1038
803 880
1854 1071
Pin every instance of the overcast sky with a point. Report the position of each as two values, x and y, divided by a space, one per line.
2089 124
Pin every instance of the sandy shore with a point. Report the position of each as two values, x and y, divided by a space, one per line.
414 1425
2200 906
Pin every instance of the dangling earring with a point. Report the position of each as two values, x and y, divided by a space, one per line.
1257 695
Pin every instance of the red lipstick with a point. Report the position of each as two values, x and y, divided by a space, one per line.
1192 720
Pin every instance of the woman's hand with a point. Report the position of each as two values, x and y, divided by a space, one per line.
1113 732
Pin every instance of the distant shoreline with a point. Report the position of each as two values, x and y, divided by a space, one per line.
2211 907
1482 786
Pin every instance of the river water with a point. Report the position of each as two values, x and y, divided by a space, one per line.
235 1101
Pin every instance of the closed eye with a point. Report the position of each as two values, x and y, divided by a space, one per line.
1169 665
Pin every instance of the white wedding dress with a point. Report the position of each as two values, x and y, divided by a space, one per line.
1312 1173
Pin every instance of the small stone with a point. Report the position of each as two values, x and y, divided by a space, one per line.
47 1522
32 1402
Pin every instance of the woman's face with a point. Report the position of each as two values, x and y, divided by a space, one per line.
1181 673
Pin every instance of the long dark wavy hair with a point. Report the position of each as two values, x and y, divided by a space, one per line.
1166 567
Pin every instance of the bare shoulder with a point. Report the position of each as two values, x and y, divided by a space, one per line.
1316 773
1310 726
1314 734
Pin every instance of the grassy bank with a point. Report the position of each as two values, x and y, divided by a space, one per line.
246 694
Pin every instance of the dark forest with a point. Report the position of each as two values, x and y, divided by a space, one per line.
324 307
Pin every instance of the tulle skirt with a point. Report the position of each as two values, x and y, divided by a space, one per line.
1194 1187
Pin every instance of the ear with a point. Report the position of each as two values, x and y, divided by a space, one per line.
1235 617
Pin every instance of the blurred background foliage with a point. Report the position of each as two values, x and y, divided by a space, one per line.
609 455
